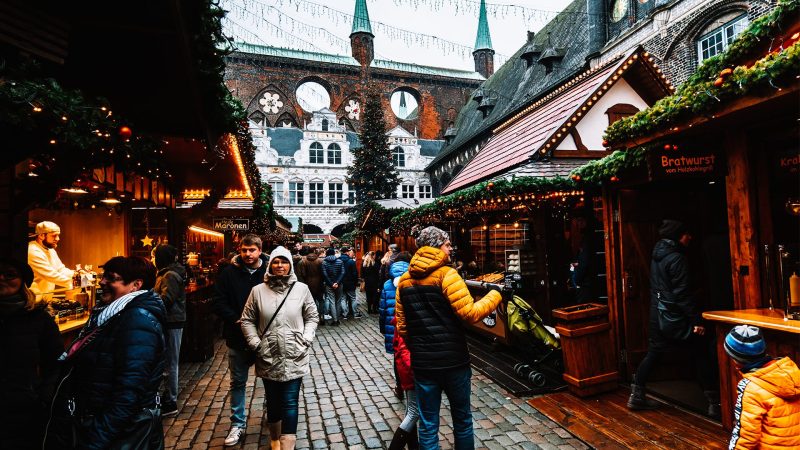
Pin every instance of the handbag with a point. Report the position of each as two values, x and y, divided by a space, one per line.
145 431
672 324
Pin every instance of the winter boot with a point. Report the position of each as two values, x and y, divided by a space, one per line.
401 438
638 400
714 410
288 441
275 436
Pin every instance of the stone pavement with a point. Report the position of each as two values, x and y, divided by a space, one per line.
347 403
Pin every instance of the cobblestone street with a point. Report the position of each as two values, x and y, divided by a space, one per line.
346 402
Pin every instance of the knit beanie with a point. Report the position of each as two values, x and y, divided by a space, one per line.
431 237
671 229
745 344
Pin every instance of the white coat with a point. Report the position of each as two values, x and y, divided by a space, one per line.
282 352
48 270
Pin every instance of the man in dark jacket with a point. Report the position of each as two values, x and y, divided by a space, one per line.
332 274
309 271
232 289
349 284
170 287
674 316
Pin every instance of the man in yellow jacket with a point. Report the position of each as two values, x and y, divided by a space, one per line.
432 301
767 412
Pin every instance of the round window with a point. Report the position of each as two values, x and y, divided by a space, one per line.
618 10
312 96
404 104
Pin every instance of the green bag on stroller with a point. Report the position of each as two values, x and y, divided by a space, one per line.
523 322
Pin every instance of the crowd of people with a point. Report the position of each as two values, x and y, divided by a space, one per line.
119 377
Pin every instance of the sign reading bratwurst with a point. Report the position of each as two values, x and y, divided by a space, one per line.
674 164
223 224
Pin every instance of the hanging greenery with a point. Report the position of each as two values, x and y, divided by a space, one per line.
723 78
489 196
608 169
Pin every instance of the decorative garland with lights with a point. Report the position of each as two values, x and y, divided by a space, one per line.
486 197
608 169
721 78
66 136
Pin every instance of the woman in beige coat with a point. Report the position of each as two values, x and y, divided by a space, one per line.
282 342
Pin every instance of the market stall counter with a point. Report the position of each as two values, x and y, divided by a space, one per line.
782 337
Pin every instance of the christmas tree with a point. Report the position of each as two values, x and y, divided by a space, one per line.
373 173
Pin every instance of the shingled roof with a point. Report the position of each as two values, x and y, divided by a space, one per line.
286 141
515 85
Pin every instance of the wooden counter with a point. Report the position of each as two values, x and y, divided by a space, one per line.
782 336
762 318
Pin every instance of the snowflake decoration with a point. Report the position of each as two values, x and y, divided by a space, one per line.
271 103
353 109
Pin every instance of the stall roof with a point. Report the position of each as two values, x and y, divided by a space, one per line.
560 167
540 127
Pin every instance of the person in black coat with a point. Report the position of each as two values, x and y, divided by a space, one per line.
232 288
118 359
675 320
31 344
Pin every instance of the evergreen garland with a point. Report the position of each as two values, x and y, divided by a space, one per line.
712 86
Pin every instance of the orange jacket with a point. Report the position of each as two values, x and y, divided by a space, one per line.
767 413
428 268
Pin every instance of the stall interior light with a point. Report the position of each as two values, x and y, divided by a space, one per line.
75 190
110 201
205 231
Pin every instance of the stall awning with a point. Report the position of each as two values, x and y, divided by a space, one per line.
545 123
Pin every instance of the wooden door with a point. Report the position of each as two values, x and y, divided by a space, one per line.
636 230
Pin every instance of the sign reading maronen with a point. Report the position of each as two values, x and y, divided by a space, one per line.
223 224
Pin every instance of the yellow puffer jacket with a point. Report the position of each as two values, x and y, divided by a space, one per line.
767 414
428 268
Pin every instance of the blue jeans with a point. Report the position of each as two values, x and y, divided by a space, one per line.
172 355
282 403
239 366
350 303
332 297
456 385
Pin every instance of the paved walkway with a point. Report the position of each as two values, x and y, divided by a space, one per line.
346 402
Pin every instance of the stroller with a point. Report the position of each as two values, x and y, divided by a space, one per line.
535 341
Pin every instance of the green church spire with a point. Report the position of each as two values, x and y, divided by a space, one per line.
484 39
361 18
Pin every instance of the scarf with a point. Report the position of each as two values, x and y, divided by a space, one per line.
277 283
107 312
13 303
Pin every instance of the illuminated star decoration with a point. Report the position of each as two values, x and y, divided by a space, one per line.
353 109
147 241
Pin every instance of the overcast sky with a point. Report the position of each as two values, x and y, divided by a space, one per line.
430 32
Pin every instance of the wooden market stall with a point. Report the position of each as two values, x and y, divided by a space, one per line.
732 174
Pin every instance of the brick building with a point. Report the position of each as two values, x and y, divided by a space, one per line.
679 34
283 88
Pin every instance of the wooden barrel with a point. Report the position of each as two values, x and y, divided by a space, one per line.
589 366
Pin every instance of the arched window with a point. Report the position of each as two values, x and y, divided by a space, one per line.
716 39
334 154
324 124
316 155
399 157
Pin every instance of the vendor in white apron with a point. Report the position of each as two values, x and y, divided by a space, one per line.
48 270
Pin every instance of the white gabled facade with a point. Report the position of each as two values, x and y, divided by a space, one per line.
307 168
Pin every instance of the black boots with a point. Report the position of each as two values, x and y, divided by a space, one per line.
638 400
404 438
